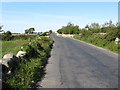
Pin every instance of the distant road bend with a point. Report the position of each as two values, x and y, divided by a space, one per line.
75 64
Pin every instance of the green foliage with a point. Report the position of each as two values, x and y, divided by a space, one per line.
29 31
85 33
103 36
50 31
59 31
12 46
104 29
1 27
92 35
28 74
112 34
23 37
45 33
46 47
94 26
100 41
95 30
8 33
32 67
69 29
7 36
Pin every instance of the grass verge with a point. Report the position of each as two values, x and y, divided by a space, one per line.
12 46
31 68
99 41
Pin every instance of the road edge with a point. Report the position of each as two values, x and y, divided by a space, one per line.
96 46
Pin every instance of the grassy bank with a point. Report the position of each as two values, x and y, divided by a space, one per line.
31 68
12 46
99 40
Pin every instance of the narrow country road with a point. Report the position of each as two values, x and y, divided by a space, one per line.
75 64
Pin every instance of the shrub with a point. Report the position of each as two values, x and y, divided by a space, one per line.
112 34
24 37
7 36
32 67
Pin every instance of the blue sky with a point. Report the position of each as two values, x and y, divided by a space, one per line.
43 16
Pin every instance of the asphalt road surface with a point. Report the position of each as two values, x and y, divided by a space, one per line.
75 64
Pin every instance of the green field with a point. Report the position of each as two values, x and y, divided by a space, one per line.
12 46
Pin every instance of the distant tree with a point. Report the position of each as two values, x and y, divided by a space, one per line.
94 27
70 24
7 36
69 29
108 26
50 31
117 24
59 31
29 31
1 28
112 34
87 26
8 33
75 30
111 24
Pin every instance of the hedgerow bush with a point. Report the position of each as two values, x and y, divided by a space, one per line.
24 37
8 36
100 40
32 67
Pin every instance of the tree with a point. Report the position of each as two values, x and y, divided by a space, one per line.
59 31
85 33
70 24
112 34
29 31
8 33
69 29
95 27
110 23
7 36
76 29
50 31
87 26
1 28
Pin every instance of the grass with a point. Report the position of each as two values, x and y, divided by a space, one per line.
12 46
31 69
99 41
60 35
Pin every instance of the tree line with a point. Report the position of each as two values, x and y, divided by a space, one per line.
93 27
111 30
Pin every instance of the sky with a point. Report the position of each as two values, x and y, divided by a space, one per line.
45 16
